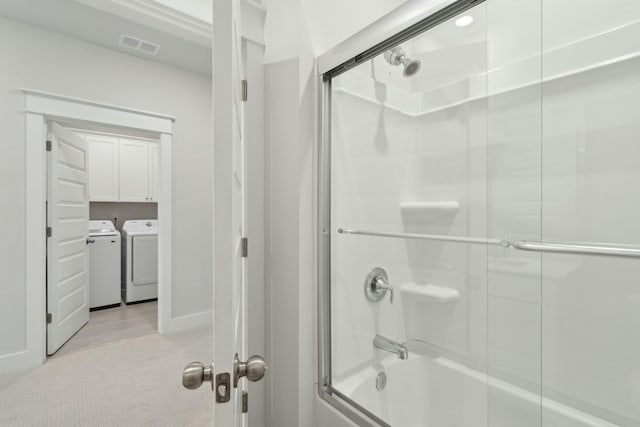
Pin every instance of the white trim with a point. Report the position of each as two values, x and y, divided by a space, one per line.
158 16
40 107
164 237
410 13
59 106
253 17
35 249
18 362
190 321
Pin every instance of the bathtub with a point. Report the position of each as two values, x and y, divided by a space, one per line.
440 392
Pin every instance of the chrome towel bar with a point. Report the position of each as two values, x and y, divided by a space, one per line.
600 249
438 237
579 248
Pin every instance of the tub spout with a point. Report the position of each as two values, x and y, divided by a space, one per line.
391 346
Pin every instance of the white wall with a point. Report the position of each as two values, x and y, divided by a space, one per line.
296 31
282 248
51 62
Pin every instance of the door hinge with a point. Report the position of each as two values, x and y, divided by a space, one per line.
49 231
49 318
245 402
245 90
245 247
49 145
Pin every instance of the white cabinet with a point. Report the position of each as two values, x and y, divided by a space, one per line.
122 169
139 171
103 168
154 173
134 171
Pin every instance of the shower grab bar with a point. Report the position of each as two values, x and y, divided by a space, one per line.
613 250
437 237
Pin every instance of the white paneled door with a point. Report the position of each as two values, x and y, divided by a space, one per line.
233 367
230 273
67 250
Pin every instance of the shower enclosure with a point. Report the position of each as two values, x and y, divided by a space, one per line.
479 216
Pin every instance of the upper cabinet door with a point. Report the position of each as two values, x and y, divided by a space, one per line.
154 172
103 168
134 171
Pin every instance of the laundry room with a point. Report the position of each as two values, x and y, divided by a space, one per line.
124 187
123 181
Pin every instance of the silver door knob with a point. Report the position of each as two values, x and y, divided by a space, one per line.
90 240
195 373
254 369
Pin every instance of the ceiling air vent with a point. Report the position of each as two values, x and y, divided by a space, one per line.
138 44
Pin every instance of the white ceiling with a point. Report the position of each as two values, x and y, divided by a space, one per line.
184 40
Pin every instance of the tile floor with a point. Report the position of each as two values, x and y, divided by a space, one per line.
113 324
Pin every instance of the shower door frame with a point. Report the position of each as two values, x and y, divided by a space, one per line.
406 22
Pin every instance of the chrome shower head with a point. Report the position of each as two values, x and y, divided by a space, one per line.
411 67
397 56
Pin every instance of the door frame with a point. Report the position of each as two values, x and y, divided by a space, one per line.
40 107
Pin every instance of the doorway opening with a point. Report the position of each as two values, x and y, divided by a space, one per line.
68 117
103 188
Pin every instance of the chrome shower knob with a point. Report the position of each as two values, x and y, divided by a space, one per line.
376 285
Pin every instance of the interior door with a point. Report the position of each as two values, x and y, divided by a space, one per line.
230 272
67 250
233 368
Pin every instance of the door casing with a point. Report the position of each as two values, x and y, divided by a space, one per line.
41 107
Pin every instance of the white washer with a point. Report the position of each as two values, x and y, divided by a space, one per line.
139 260
104 262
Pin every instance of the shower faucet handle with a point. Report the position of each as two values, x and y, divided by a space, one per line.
381 284
376 285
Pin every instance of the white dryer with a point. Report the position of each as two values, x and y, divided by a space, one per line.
104 262
139 260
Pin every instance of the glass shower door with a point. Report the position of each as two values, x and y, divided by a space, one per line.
483 221
590 362
409 241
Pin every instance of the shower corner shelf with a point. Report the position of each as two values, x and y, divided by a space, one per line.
431 293
429 209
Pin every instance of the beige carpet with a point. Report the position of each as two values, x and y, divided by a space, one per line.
131 382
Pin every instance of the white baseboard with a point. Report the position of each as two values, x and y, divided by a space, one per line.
18 362
25 360
184 323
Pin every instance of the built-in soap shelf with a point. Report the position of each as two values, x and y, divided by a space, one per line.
431 293
426 210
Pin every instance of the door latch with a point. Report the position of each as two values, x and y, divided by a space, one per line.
223 387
